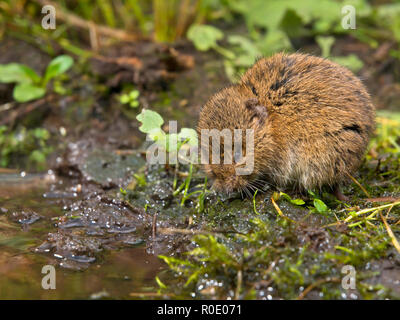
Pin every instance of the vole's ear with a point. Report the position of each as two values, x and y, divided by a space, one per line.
259 111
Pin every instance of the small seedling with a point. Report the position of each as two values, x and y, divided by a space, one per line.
151 124
123 191
205 37
140 178
29 85
131 98
319 205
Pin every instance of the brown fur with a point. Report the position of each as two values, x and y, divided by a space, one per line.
312 120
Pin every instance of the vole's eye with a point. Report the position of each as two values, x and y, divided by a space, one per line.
253 89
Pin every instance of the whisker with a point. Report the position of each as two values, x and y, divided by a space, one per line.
247 192
258 184
262 183
255 187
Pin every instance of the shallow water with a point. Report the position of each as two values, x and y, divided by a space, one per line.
114 274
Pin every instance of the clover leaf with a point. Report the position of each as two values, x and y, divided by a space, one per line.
204 37
150 120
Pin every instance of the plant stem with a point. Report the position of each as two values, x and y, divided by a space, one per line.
138 13
187 184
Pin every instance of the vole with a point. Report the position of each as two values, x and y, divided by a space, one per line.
312 121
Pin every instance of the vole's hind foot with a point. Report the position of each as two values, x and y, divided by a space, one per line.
339 195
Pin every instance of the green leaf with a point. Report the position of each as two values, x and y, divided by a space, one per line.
320 206
41 134
270 14
58 66
274 41
158 135
204 37
190 135
15 72
134 94
351 61
150 120
297 202
325 43
26 92
245 43
292 24
124 99
37 157
311 193
140 178
249 50
134 104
